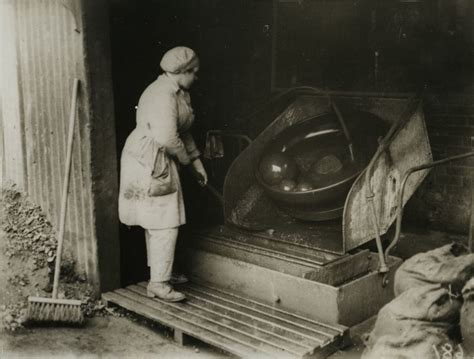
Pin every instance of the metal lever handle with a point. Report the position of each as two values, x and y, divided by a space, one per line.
408 173
344 128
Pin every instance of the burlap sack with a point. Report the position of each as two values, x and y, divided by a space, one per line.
450 265
467 317
414 324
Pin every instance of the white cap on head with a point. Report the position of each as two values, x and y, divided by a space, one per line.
179 59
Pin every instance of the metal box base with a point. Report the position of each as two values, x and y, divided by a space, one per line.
272 281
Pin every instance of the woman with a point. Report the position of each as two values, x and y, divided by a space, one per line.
150 189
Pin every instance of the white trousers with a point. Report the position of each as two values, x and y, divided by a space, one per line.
160 248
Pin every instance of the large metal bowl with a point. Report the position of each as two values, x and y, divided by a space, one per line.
319 144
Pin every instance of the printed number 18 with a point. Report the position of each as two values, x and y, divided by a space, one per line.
449 352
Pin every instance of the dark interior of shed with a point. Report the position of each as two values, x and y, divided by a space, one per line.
251 49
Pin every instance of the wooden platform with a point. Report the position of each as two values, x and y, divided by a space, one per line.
233 323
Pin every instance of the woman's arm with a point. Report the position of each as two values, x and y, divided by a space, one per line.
190 145
164 128
200 171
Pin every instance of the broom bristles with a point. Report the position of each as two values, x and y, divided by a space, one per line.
50 310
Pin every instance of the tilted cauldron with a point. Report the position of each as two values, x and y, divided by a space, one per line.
309 167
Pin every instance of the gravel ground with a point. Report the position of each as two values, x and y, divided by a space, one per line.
104 337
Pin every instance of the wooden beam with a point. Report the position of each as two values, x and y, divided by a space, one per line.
99 90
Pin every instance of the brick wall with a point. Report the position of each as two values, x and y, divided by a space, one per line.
443 201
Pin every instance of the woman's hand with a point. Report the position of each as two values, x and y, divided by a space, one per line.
200 172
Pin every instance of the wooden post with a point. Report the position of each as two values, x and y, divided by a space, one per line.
179 337
98 88
471 225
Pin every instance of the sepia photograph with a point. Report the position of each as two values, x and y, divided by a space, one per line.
237 179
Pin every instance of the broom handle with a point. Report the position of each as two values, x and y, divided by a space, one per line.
65 189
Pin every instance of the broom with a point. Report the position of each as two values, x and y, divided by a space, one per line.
54 309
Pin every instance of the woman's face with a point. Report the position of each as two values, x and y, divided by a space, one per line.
186 79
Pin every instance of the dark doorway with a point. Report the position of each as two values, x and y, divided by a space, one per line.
234 70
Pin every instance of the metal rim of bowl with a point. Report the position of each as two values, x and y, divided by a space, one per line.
272 189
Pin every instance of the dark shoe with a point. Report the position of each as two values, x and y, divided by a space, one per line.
178 279
164 291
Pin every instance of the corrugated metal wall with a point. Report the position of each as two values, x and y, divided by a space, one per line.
13 163
50 55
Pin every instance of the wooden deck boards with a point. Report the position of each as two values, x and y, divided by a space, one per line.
233 323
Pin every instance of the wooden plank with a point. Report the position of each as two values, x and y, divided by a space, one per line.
191 329
291 334
277 313
236 311
242 327
169 308
285 334
318 335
